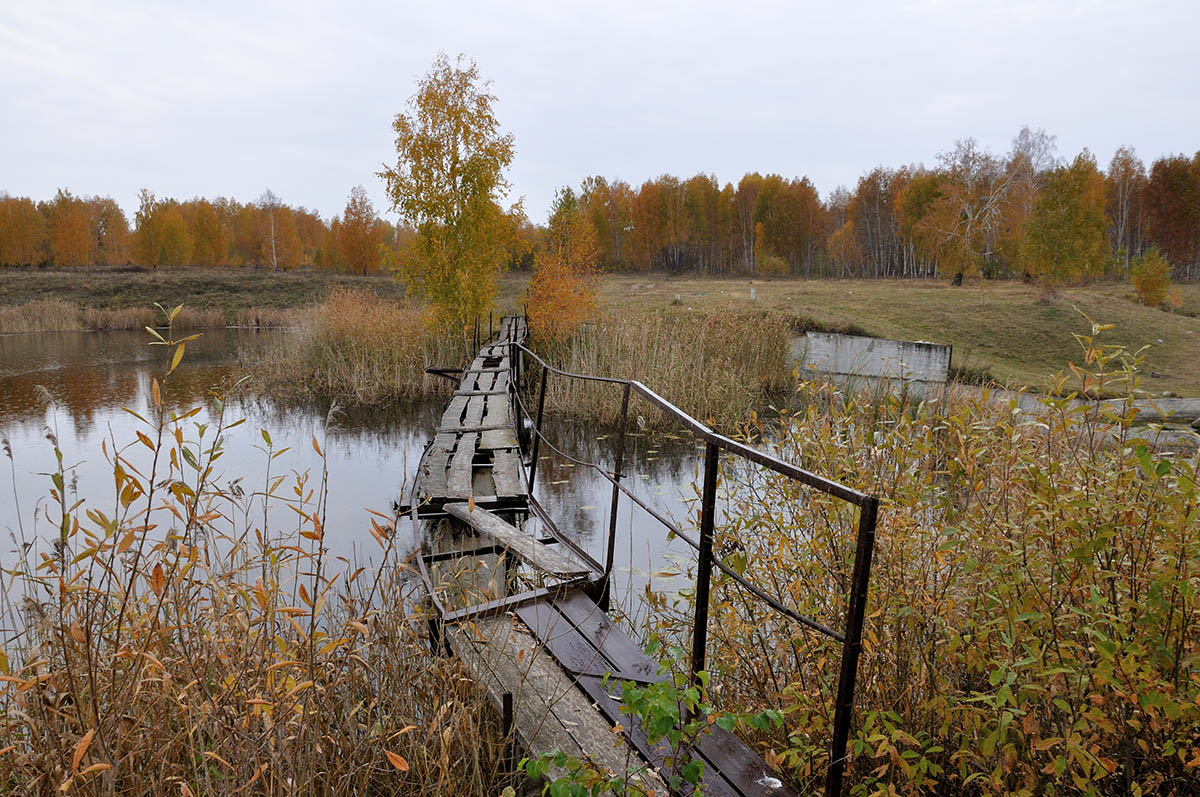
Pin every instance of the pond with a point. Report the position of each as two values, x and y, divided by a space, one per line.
80 387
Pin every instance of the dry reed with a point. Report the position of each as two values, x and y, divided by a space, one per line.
359 348
717 366
166 642
40 315
271 317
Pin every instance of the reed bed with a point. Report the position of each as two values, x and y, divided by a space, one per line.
170 640
271 317
58 315
359 349
717 366
40 315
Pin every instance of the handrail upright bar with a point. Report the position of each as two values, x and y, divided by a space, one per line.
708 506
616 497
852 647
537 429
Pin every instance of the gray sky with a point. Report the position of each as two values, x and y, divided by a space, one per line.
228 99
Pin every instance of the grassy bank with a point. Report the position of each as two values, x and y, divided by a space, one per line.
1003 327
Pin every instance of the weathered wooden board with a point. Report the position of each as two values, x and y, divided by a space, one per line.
506 472
518 542
459 480
473 417
497 438
497 411
549 713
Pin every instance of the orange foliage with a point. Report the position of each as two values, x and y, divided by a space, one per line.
562 294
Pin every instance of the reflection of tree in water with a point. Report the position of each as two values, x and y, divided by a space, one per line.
658 468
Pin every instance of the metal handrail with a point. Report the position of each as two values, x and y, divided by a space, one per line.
868 506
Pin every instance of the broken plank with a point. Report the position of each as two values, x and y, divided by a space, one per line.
497 438
506 472
459 478
518 542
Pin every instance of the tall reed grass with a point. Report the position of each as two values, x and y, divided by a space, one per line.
1034 612
57 315
172 641
40 315
717 366
359 348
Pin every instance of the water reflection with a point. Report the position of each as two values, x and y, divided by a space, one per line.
370 453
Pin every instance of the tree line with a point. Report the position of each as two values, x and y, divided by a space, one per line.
74 230
1026 213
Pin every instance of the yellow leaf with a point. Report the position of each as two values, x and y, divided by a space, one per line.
82 748
95 768
175 360
471 504
298 688
397 760
156 392
126 543
316 447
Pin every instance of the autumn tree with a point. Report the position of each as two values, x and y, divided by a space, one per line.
966 218
1032 159
447 183
1066 230
72 240
111 229
1126 184
1172 203
22 232
359 237
562 293
210 240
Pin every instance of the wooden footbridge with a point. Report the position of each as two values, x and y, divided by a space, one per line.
526 613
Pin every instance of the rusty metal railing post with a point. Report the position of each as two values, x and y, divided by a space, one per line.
514 384
708 507
852 647
618 464
537 428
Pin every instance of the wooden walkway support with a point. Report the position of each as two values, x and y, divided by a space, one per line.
524 613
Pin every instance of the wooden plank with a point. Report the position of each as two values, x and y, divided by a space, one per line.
549 713
506 472
460 478
521 544
724 752
452 415
497 410
473 417
617 648
740 766
431 480
497 438
563 640
481 392
463 429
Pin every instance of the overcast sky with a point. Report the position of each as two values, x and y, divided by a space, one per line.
228 99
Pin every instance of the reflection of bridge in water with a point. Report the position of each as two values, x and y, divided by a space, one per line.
527 614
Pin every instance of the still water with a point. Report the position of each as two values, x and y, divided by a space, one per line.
77 388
